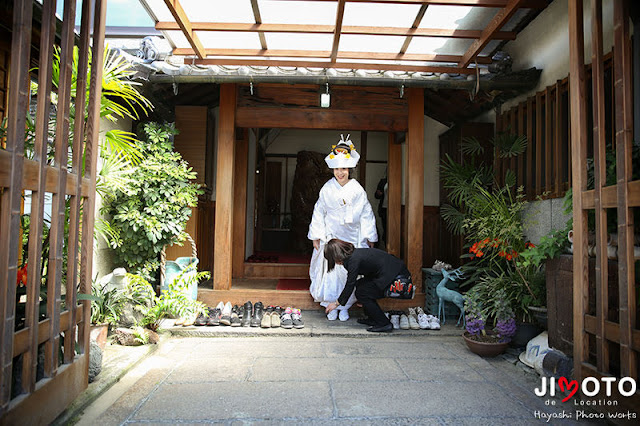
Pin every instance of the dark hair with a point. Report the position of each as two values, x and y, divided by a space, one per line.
337 251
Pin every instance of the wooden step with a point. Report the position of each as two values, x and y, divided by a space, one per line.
276 270
298 299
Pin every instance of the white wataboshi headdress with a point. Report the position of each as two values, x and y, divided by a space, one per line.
343 155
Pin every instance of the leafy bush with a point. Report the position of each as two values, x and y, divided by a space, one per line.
153 209
172 301
106 304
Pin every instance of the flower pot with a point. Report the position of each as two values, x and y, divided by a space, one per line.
99 334
485 349
539 313
525 331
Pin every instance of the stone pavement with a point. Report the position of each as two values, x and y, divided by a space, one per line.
329 372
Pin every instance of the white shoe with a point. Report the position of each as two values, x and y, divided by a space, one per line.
413 319
404 322
333 315
395 321
343 315
435 323
423 320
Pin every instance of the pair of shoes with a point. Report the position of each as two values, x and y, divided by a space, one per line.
380 328
423 320
333 315
434 323
286 321
271 317
247 314
366 321
179 321
189 320
258 313
343 315
413 319
296 318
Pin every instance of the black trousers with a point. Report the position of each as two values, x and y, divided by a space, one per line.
368 294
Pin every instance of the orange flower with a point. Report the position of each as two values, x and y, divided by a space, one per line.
508 256
501 253
480 253
515 254
22 275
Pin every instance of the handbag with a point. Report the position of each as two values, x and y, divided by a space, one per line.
401 288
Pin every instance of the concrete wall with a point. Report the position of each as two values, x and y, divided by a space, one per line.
103 257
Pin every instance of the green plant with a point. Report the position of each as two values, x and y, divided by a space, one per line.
152 210
172 301
140 335
106 304
479 312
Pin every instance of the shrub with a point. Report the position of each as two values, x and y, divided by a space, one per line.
153 209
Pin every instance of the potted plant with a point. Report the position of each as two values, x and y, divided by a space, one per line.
479 339
106 308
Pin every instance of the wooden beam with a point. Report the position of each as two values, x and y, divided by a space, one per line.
415 183
316 118
577 95
270 53
222 262
600 166
623 69
258 19
182 20
329 29
539 141
533 4
609 198
520 132
414 27
319 64
40 150
501 18
394 206
241 156
337 31
548 141
11 198
530 165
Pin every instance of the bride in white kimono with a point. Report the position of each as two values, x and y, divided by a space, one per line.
342 211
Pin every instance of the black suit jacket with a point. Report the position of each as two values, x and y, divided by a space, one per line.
378 267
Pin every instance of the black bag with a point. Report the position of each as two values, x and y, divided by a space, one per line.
401 288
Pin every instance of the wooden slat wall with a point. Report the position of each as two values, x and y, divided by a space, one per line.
394 206
623 196
41 401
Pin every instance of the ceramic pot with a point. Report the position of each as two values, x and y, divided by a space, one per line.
525 331
540 315
99 334
485 349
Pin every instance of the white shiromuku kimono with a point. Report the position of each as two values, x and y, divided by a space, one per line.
341 212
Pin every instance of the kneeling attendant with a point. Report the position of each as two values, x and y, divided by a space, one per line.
379 270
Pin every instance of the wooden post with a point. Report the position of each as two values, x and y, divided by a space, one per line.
415 184
624 134
362 175
599 144
240 202
577 95
222 262
394 192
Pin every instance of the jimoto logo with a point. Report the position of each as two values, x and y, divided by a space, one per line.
590 386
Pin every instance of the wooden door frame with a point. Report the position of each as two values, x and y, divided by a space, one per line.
238 111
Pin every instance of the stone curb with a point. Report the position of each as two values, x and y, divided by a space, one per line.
109 376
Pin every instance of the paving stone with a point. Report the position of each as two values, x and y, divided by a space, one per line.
423 399
205 370
434 369
304 369
423 349
227 400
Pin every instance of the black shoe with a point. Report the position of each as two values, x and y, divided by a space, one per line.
366 321
214 317
247 312
380 328
258 312
201 319
235 318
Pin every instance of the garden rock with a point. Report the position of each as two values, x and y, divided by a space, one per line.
95 360
125 337
154 338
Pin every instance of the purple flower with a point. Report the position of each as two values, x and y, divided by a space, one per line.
505 329
475 325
